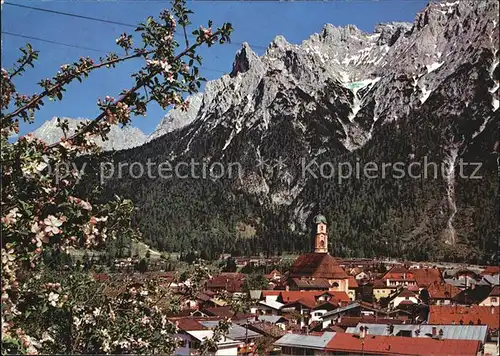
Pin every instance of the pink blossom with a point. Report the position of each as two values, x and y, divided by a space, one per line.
52 225
40 235
11 217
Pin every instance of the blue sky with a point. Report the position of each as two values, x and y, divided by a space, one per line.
256 22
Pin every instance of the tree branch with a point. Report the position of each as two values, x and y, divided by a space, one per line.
95 121
37 98
22 65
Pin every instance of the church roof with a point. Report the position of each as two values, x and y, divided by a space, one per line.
319 219
317 265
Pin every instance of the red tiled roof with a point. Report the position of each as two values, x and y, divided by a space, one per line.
267 329
491 270
219 311
413 288
495 292
398 273
427 276
379 284
406 302
292 296
397 345
270 293
334 328
308 283
189 324
453 314
406 293
231 282
330 305
352 282
272 273
307 302
443 290
317 265
226 312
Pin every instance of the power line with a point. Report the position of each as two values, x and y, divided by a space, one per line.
80 47
71 15
52 42
102 20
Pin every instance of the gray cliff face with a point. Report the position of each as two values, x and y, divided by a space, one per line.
360 80
177 119
359 70
118 138
431 86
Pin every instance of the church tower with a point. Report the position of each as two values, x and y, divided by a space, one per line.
320 234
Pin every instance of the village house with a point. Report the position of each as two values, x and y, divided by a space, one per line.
493 298
353 288
227 282
381 290
473 295
193 333
427 276
404 298
362 277
442 293
332 317
267 307
274 275
399 276
311 305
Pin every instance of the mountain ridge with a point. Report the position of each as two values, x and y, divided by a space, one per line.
119 138
426 89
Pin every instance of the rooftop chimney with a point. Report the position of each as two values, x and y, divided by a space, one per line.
362 332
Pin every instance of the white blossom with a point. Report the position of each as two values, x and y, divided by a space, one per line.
53 298
97 312
52 224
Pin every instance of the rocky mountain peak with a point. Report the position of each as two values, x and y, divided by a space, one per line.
244 59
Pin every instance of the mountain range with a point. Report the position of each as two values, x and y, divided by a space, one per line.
416 94
119 138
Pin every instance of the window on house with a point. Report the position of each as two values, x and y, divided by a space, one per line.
405 333
335 284
194 344
407 298
493 299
